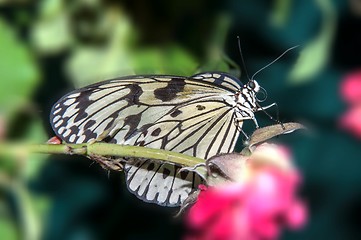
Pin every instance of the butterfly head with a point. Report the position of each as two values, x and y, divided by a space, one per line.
250 96
253 86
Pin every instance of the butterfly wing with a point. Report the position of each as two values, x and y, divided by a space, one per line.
192 115
200 128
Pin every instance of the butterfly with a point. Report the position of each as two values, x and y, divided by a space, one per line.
201 116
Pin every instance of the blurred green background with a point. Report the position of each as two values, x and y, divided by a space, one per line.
49 47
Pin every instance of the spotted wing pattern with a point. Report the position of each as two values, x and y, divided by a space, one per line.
194 116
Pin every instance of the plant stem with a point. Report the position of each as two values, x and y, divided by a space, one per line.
101 149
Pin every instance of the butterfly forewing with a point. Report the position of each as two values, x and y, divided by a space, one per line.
194 116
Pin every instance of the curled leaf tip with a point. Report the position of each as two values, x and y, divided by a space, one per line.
266 133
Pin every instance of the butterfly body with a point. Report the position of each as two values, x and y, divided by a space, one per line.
199 116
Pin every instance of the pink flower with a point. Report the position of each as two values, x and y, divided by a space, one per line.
256 207
351 93
54 140
351 88
351 120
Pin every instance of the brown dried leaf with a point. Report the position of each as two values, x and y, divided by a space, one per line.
266 133
225 167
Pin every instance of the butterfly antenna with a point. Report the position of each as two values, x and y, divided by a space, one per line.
274 61
240 52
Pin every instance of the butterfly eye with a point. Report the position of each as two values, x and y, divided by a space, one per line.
251 85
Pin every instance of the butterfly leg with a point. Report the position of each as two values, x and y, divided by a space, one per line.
244 134
252 117
239 127
260 108
109 163
255 122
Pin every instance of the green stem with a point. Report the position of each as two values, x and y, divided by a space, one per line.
101 149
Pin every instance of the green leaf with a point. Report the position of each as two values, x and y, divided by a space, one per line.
18 72
8 229
281 12
89 63
35 133
93 64
168 60
315 54
217 60
51 33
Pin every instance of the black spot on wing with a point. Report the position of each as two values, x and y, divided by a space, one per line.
156 132
170 91
90 135
81 115
132 121
83 102
219 80
73 130
109 139
135 92
166 173
200 107
175 113
89 124
183 174
151 166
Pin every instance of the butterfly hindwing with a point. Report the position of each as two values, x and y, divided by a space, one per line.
160 183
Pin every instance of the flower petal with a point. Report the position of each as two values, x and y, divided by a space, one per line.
351 87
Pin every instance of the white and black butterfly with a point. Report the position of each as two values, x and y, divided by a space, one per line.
201 116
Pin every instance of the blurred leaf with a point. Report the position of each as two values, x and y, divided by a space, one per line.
215 65
24 164
31 225
18 73
179 61
281 12
315 54
148 61
90 64
118 58
51 33
35 134
169 60
7 229
217 60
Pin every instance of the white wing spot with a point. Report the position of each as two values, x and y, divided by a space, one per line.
216 75
69 101
207 75
57 110
74 95
61 130
70 111
72 138
181 190
56 118
57 124
81 139
67 132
